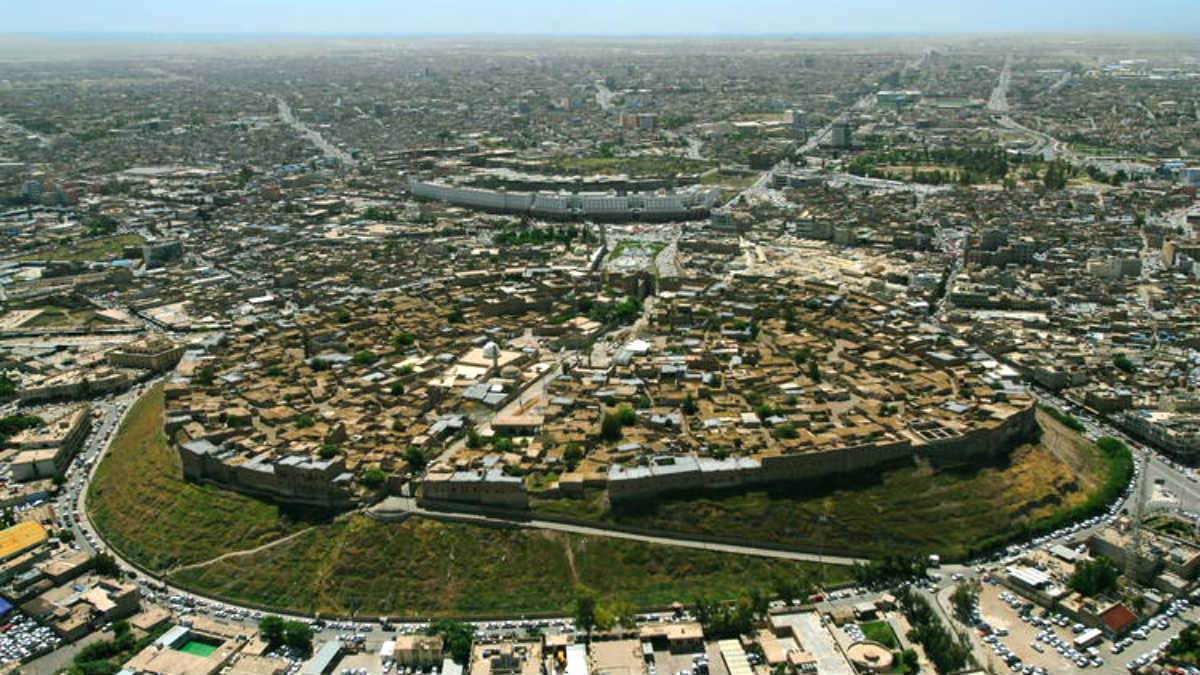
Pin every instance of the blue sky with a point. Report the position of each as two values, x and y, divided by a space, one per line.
610 17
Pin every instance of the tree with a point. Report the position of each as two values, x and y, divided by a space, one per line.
584 611
105 565
1121 361
305 421
297 635
814 371
403 340
689 406
610 427
624 614
963 600
14 423
397 389
1095 577
786 431
457 636
365 357
415 458
373 478
204 377
626 416
270 628
1139 604
474 440
947 651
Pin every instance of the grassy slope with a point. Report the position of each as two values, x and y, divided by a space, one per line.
146 510
140 502
902 510
422 567
104 248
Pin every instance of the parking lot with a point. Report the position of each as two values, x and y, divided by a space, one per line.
1033 640
1039 639
22 638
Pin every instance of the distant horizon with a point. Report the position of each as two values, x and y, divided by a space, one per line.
607 19
830 35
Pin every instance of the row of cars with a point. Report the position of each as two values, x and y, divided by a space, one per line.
1160 621
1082 657
22 639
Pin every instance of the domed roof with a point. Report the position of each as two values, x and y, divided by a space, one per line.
491 350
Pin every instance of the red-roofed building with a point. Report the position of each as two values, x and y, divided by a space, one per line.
1117 619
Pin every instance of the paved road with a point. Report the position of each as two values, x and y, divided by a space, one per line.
998 102
394 508
323 144
604 96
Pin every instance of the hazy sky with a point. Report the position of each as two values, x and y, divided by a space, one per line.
607 17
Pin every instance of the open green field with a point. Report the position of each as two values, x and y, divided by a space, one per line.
423 567
141 504
144 508
102 248
881 632
904 509
1088 149
634 166
63 317
739 182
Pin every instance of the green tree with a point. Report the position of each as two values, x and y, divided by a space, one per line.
689 406
373 478
1121 361
474 440
297 635
626 416
583 609
1095 577
457 636
205 376
786 431
610 427
415 458
963 601
105 565
270 628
